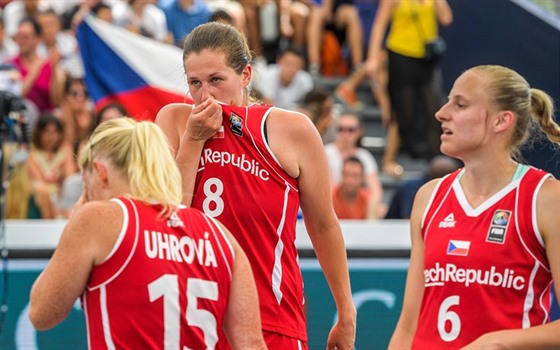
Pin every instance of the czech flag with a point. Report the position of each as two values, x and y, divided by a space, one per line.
120 66
456 247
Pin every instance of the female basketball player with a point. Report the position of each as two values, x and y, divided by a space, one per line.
151 274
252 166
486 238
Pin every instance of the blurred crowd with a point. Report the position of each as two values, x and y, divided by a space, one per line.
295 44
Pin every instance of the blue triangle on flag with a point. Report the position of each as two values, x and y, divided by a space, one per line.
106 72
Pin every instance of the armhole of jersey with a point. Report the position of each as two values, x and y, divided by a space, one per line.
122 233
216 227
262 130
430 201
538 234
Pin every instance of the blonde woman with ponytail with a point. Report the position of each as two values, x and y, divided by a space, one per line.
486 239
140 260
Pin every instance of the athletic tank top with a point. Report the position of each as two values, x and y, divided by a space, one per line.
242 184
485 268
165 284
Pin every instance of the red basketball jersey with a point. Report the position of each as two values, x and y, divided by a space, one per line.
243 185
485 268
165 284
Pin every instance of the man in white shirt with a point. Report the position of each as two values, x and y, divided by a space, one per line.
285 83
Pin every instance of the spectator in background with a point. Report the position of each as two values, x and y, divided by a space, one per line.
8 49
60 46
10 77
16 11
413 88
296 32
285 83
222 17
318 106
183 16
233 9
340 17
43 79
142 17
350 196
110 111
400 206
76 113
23 200
60 7
348 143
262 28
50 159
103 12
346 93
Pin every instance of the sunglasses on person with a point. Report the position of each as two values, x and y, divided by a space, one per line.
350 129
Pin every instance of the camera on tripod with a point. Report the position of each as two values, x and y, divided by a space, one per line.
12 106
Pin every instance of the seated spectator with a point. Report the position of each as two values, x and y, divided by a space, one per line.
262 29
50 159
60 7
17 10
344 21
348 143
401 203
103 12
318 106
232 9
222 17
142 17
285 83
350 197
61 46
183 16
8 49
73 16
294 26
43 79
110 111
23 201
76 113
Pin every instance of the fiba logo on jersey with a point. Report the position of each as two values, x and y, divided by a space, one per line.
498 227
236 124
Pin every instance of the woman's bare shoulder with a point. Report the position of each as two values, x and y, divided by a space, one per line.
173 111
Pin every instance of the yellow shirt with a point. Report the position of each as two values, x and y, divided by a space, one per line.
406 37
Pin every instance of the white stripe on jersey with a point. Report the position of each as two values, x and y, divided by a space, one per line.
277 270
105 318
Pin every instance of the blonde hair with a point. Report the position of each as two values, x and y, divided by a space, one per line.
18 192
140 150
509 91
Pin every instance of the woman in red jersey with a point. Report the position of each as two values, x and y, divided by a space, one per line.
252 167
485 238
151 274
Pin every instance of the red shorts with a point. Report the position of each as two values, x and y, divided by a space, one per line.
277 341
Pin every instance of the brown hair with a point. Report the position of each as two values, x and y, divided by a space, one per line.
220 37
39 128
